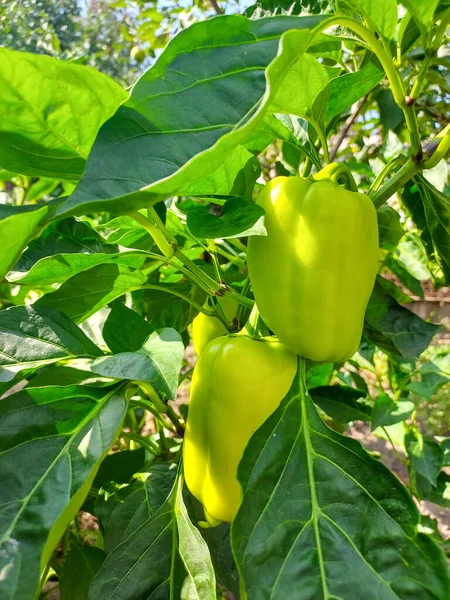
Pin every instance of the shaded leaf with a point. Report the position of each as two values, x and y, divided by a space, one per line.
425 455
394 328
239 217
342 403
387 412
80 566
124 329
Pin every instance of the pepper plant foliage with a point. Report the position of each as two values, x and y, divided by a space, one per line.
122 213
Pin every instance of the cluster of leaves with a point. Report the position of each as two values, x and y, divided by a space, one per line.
120 215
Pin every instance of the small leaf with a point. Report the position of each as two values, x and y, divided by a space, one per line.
80 566
394 328
425 455
388 412
342 403
32 336
351 87
389 227
239 217
124 329
123 512
158 363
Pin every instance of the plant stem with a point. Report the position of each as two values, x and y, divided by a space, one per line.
322 139
145 442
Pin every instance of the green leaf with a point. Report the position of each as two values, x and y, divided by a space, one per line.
239 217
55 110
164 309
342 403
394 328
84 294
53 441
80 566
61 267
439 494
124 329
319 375
425 455
381 15
18 225
422 10
158 559
151 145
33 336
158 363
315 501
351 87
404 277
66 236
387 412
123 512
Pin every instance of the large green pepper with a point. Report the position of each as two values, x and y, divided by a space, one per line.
313 274
205 328
238 382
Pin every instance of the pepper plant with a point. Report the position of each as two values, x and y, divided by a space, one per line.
125 220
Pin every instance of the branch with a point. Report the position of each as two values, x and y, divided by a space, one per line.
348 123
216 7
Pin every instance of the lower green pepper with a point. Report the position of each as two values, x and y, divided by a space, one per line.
238 382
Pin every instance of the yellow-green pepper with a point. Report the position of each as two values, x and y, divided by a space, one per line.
312 275
237 383
205 328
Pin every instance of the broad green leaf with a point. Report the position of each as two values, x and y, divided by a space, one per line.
33 336
239 217
61 267
66 236
342 403
158 363
120 467
124 511
53 441
425 455
79 568
382 15
350 87
394 328
18 225
404 277
387 411
157 559
166 137
393 290
164 308
124 329
50 112
84 294
320 518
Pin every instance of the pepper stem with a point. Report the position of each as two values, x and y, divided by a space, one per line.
255 326
338 173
